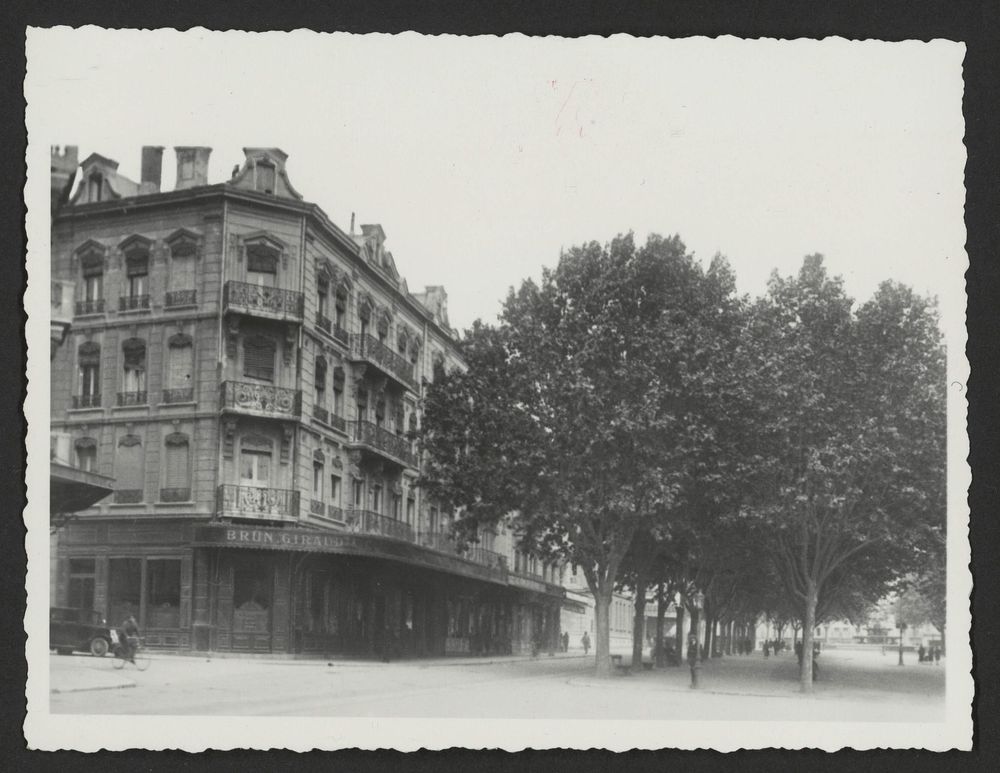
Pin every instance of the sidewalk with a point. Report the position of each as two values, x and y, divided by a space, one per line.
85 673
347 662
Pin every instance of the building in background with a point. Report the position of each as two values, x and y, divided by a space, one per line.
250 375
578 614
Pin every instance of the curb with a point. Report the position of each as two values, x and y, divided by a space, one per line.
57 691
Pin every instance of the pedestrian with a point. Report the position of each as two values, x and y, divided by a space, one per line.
920 653
585 641
767 648
937 656
565 641
798 651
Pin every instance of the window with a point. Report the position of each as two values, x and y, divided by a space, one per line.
262 265
380 412
92 269
86 454
377 498
434 519
137 274
180 366
265 177
182 270
340 307
320 381
322 291
318 475
177 469
82 573
255 462
397 506
129 470
359 494
383 328
362 404
411 508
258 357
163 593
338 391
124 588
89 359
95 187
335 490
133 372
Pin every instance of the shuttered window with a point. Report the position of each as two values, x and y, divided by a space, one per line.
180 362
178 462
258 357
182 272
129 468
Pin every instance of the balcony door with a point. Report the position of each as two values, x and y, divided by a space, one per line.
255 468
253 585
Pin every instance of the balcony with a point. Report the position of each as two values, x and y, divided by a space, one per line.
321 414
329 419
262 301
128 496
133 303
323 323
381 441
87 401
316 507
131 398
366 348
436 540
368 522
266 504
176 298
261 400
341 335
95 306
487 558
175 495
185 395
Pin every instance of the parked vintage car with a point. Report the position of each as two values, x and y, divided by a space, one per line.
78 630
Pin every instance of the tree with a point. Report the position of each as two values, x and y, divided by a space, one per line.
850 435
589 410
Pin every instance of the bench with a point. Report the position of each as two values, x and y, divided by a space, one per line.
616 661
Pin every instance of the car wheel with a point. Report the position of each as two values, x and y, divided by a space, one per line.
99 647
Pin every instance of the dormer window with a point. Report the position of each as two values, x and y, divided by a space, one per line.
95 186
265 177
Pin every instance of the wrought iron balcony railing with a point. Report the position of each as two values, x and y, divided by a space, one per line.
335 513
261 300
87 401
370 349
316 507
383 442
321 414
369 522
440 541
185 395
175 495
341 335
128 496
269 504
131 398
95 306
486 557
261 399
180 298
338 423
323 322
133 302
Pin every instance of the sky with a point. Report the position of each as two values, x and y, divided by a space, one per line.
483 157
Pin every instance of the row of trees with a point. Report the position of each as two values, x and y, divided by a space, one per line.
633 415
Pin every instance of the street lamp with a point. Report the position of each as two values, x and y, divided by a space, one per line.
694 647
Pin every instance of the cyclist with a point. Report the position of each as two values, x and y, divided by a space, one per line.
130 638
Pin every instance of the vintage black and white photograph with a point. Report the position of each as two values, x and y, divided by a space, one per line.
407 391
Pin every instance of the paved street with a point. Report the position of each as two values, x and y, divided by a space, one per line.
855 686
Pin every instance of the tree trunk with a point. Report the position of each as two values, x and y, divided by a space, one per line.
639 624
661 612
602 630
695 623
806 669
902 627
679 633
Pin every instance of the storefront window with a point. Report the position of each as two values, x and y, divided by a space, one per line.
81 583
163 593
124 588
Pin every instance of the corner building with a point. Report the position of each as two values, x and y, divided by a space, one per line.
251 377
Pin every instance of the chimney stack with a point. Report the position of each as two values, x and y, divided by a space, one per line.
352 224
192 166
152 168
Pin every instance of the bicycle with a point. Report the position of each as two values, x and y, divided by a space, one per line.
139 656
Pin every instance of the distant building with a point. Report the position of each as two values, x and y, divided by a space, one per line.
251 375
578 613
